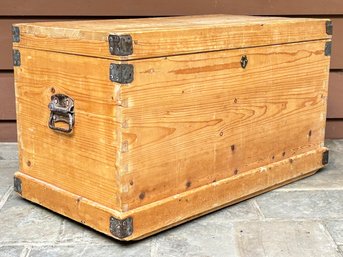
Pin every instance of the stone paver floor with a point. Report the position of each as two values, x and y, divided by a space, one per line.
302 219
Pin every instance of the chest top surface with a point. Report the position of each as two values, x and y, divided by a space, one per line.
125 39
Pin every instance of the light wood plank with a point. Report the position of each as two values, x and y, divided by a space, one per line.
8 131
7 99
335 103
83 162
150 8
334 129
170 36
186 131
195 119
171 211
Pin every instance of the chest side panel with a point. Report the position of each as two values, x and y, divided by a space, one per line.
195 119
83 162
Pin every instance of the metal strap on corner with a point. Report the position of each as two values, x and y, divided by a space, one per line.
120 45
17 185
329 27
15 34
121 228
16 57
328 47
121 73
325 159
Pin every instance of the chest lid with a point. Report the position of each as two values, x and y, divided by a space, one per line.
126 39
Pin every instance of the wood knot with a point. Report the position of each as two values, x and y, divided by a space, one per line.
188 184
142 195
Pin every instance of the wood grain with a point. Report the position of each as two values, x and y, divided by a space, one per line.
81 163
174 210
180 208
167 8
66 203
335 106
335 101
334 128
6 40
199 118
187 130
7 99
8 131
194 129
156 37
6 62
337 45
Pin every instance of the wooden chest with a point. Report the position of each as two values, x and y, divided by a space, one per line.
136 125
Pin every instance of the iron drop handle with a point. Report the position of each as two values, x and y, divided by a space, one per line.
61 110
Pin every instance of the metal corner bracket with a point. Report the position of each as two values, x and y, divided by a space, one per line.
17 185
120 45
325 159
15 34
121 73
16 57
329 27
121 228
328 47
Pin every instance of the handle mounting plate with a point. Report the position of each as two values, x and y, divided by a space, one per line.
61 110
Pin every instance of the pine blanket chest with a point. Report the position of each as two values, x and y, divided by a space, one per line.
136 125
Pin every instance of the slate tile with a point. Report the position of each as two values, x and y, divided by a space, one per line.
11 251
284 239
24 222
7 169
302 204
335 229
327 178
76 233
201 237
241 211
8 151
324 179
139 249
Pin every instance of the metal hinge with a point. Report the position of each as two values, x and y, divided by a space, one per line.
15 34
328 47
120 45
325 159
16 57
121 228
329 27
17 185
121 73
